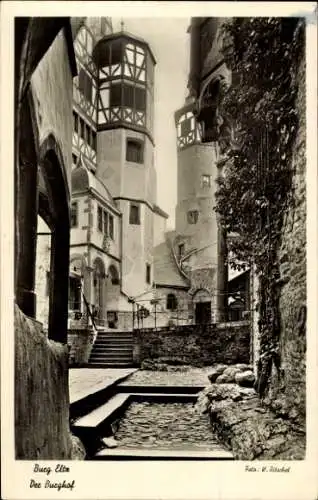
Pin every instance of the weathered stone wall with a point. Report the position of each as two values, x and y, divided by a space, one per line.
80 344
196 345
41 395
287 393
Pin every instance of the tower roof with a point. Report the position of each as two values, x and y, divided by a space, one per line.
83 180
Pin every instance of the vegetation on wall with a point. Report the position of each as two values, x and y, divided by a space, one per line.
258 125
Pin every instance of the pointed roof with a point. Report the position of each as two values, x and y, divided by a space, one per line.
83 180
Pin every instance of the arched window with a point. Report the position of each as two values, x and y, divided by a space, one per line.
172 302
113 274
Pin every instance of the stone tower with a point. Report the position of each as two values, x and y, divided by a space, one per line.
198 243
125 148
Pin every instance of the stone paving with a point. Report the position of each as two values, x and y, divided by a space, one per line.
192 376
170 426
85 381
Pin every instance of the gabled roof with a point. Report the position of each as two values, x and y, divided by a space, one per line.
83 180
166 272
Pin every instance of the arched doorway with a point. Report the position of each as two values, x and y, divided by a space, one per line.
98 292
112 296
202 307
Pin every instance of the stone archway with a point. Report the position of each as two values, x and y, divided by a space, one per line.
55 199
112 295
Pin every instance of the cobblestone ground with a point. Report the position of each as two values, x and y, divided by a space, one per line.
192 376
166 426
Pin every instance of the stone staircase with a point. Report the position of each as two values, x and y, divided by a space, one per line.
112 350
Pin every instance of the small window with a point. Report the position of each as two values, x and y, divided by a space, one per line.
135 151
193 216
206 181
74 214
74 158
180 250
105 222
100 219
111 226
148 273
134 215
172 302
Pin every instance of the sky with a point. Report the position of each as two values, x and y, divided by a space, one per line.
169 43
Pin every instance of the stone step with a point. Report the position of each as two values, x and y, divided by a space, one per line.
111 355
113 364
152 454
98 416
107 343
111 348
115 335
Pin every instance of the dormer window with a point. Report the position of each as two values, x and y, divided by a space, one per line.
135 151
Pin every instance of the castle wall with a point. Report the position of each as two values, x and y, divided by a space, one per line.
41 365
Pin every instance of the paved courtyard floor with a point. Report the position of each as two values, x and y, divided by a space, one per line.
190 377
85 381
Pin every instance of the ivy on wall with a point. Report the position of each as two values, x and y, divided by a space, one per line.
259 123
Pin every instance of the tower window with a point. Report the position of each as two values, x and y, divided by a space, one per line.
172 302
74 158
134 151
148 273
134 215
193 216
205 180
100 219
74 214
128 96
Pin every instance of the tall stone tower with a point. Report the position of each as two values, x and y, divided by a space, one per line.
198 243
125 148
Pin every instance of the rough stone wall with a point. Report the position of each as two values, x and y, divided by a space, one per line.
287 392
196 345
41 396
